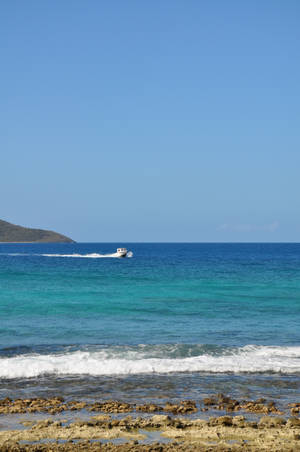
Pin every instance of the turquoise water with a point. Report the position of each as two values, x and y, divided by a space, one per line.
171 309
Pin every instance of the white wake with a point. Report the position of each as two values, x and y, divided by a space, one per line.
89 256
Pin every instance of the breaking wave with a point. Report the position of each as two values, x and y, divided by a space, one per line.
154 359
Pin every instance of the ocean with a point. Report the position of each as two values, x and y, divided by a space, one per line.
174 321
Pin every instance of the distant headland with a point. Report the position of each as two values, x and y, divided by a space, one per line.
17 234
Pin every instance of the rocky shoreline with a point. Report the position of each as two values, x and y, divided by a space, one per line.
56 405
118 426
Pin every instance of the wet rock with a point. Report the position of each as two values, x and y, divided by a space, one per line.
188 406
79 423
27 423
199 423
222 402
239 421
126 421
149 408
74 406
254 407
33 405
293 422
222 420
5 402
252 424
209 401
143 423
115 423
111 407
223 399
101 418
42 424
185 407
176 423
270 421
232 407
161 419
261 400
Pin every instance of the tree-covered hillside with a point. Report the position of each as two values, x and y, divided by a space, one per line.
13 233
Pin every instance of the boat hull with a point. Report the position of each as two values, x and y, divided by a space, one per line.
118 254
121 254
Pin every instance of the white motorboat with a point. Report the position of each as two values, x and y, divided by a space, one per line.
121 252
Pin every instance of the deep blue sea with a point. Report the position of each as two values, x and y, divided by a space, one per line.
174 320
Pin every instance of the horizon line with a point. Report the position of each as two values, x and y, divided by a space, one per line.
199 243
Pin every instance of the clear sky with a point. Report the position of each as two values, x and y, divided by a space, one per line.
161 120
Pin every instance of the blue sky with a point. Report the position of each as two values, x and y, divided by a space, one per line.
151 120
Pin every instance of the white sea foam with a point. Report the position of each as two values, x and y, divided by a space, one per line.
252 359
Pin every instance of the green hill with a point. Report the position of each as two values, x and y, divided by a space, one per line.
13 233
